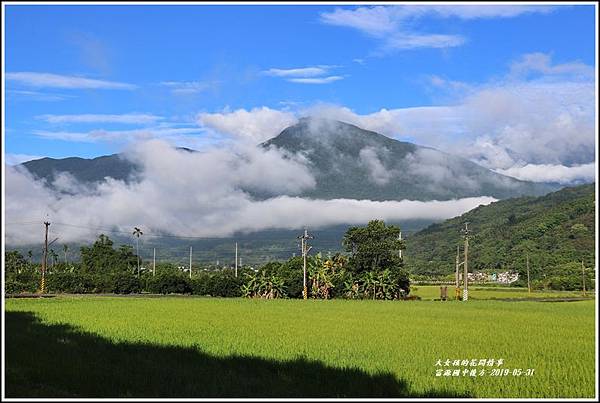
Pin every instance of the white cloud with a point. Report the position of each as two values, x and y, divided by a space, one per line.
306 75
36 96
413 41
316 80
552 173
127 118
542 63
15 159
48 80
255 125
396 26
189 87
176 135
200 194
298 72
377 171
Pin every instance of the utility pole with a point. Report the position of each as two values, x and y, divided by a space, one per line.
528 283
457 277
236 259
583 276
190 262
45 258
305 249
400 249
466 272
154 262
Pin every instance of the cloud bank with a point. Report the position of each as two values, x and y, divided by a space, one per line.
206 194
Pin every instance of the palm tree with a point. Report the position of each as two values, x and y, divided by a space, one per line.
137 233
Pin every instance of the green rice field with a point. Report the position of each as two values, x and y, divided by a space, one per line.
209 347
431 292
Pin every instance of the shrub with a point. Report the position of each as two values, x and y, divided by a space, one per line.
169 283
224 284
200 284
125 284
73 283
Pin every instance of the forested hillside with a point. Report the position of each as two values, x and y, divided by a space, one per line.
555 230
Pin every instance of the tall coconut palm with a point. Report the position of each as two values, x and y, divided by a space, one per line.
137 233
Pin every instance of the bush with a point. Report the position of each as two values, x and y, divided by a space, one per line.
169 283
224 284
126 284
73 283
13 286
200 284
22 282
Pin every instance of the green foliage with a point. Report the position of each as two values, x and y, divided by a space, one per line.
553 230
73 283
223 283
101 257
123 283
169 283
374 247
262 285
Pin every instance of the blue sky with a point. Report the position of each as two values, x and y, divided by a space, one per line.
81 78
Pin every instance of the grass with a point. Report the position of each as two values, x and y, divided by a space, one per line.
430 292
208 347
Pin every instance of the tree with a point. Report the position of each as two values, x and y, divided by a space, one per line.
137 233
374 247
374 258
101 257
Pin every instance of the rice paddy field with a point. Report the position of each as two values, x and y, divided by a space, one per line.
209 347
431 292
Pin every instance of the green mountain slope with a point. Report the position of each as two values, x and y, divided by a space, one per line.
554 229
347 162
350 162
84 170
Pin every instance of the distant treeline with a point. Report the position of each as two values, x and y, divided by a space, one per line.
370 269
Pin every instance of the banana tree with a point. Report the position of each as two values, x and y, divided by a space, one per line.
370 284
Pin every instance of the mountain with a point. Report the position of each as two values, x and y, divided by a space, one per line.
347 162
84 170
350 162
555 229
